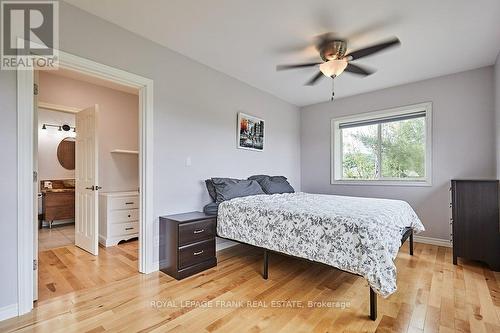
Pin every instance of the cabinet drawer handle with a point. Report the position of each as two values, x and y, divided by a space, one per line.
197 253
129 203
199 231
129 228
128 215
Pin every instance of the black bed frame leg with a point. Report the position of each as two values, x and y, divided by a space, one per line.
266 264
373 305
411 243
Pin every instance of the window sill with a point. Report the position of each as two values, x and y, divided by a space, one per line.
417 183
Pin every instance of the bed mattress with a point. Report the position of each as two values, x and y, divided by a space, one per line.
358 235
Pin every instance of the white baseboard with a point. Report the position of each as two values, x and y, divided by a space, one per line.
8 311
432 241
106 242
155 267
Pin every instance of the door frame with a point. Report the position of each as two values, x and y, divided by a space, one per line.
25 173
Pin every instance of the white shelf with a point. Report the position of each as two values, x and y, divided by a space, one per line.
124 151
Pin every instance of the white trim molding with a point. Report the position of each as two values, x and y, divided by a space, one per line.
57 107
433 241
25 165
374 116
8 311
25 195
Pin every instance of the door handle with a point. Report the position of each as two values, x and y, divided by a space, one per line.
94 188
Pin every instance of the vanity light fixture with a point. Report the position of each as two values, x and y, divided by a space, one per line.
63 127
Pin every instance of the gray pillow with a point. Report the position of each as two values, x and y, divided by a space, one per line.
227 188
258 178
211 208
211 189
275 185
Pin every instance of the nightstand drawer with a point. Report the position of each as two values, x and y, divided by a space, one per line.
126 228
196 253
123 202
196 231
124 215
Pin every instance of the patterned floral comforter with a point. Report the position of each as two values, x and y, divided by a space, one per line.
358 235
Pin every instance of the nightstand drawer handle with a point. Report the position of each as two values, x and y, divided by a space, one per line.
197 253
129 203
199 231
129 228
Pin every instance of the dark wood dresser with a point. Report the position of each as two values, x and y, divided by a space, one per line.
476 221
187 244
58 202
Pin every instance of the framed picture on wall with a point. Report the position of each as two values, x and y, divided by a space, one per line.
250 132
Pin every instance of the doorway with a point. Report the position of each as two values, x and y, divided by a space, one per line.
89 198
27 180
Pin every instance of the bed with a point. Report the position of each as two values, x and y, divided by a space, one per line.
357 235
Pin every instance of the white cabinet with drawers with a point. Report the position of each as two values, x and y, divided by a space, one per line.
118 217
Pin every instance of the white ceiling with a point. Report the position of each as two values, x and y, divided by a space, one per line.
246 39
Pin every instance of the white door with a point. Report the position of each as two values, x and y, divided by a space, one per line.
86 203
36 188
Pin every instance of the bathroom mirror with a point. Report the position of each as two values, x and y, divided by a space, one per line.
66 153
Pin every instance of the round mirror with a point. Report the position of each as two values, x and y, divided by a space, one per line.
66 153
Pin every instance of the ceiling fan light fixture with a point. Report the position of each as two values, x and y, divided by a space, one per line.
333 67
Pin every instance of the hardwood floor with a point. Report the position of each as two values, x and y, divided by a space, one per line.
433 296
67 269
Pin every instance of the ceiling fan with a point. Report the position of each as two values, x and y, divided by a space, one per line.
336 59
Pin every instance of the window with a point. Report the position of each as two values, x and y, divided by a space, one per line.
391 147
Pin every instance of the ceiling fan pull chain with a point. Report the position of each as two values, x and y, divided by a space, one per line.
333 87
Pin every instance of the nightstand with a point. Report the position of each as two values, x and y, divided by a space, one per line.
187 244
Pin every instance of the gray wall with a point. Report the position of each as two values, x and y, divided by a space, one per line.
195 115
463 140
497 110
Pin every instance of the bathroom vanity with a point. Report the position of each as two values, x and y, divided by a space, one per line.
58 201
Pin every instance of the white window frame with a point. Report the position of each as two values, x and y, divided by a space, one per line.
336 146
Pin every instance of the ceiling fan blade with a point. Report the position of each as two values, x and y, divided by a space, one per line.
356 69
310 64
373 49
313 80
